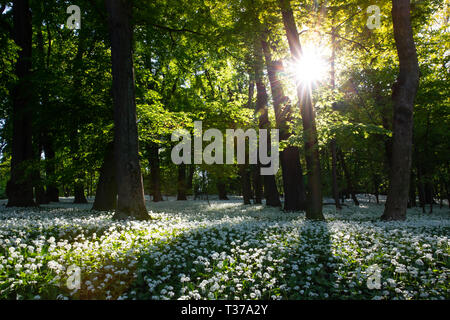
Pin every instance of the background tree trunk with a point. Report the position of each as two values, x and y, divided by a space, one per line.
376 185
131 201
20 187
333 146
246 185
52 191
39 189
106 194
222 190
190 179
181 182
293 185
348 177
257 184
412 192
403 95
270 187
314 208
334 183
78 190
155 175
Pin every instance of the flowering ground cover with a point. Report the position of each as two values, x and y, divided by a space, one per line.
223 250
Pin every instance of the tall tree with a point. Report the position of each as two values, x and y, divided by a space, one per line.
270 187
293 185
130 202
314 207
20 187
106 193
181 185
333 146
155 175
403 95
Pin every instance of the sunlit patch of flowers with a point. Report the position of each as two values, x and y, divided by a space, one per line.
225 250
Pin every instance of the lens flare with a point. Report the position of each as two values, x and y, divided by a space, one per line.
311 68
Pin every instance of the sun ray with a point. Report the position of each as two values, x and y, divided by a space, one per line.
311 68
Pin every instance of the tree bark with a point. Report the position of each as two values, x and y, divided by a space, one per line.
20 186
447 189
348 177
190 177
403 95
131 201
376 185
222 190
246 185
106 193
421 189
292 173
181 182
333 145
39 189
314 208
257 184
52 192
412 192
155 175
78 190
334 183
270 187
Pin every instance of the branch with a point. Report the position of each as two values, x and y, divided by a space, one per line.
175 30
349 18
349 40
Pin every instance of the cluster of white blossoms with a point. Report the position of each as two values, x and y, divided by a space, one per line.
225 250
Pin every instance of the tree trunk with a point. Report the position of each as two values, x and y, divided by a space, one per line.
52 192
412 192
348 177
38 186
155 176
293 185
257 184
404 92
314 208
333 146
222 190
246 185
20 187
181 182
40 193
131 201
334 182
190 177
106 194
270 187
421 190
376 185
429 191
447 188
78 190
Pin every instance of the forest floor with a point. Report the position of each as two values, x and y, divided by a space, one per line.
222 250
